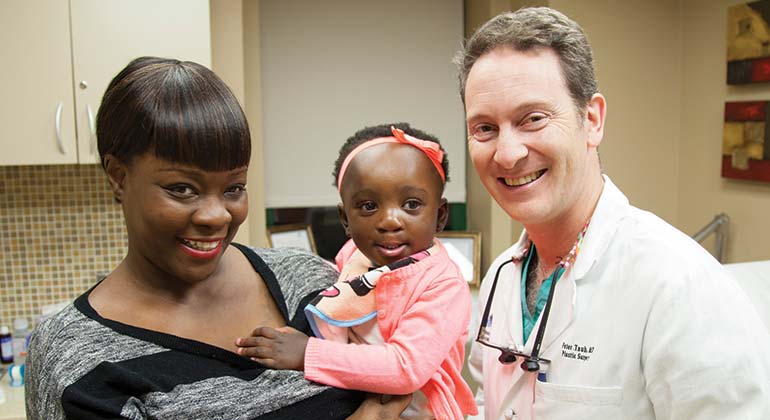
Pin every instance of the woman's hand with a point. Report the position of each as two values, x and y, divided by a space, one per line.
381 407
276 348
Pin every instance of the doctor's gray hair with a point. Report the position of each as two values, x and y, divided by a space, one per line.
535 28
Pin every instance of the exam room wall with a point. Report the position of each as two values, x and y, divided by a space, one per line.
661 65
703 192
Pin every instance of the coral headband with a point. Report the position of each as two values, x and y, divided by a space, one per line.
431 149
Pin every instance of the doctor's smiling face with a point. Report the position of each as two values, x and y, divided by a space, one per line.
534 151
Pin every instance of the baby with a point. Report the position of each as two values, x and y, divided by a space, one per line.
396 321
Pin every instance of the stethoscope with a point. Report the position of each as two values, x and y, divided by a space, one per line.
532 362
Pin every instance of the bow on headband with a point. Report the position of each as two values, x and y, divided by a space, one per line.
431 149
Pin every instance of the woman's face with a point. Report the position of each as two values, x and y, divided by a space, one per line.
180 218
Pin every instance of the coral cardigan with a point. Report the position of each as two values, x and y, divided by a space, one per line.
423 314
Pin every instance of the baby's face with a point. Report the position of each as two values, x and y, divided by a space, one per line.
391 202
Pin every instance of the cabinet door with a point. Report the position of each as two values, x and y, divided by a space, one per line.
107 34
36 83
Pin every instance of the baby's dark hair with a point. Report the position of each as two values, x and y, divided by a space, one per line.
383 130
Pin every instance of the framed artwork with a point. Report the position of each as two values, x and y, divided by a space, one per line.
748 37
746 141
464 248
293 235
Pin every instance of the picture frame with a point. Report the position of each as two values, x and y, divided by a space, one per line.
464 248
297 235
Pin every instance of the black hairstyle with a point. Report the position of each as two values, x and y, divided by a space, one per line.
383 130
179 110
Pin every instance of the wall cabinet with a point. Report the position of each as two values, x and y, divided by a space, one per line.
37 120
58 57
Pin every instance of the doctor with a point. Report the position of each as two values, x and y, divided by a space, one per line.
600 310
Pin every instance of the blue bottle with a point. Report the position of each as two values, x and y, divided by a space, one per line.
16 373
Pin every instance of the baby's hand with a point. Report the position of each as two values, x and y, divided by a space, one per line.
281 348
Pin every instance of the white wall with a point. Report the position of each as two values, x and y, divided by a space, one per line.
329 68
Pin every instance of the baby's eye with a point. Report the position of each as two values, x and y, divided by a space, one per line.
412 204
368 206
181 190
483 132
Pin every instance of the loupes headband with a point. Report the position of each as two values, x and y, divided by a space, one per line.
431 149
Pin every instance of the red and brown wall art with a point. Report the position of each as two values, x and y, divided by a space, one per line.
746 138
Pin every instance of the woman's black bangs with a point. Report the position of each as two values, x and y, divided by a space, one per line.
207 129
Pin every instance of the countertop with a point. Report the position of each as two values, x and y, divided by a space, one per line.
13 407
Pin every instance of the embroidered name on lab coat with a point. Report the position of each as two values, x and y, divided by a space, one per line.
576 351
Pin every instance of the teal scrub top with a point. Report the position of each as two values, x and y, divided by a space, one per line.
527 318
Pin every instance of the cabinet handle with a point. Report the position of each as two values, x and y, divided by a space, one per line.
92 129
58 130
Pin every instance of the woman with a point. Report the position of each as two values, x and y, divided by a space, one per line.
156 338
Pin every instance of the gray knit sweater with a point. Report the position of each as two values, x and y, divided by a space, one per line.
82 366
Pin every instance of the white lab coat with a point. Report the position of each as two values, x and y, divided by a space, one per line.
646 325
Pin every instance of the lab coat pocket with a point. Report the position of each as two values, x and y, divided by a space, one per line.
554 401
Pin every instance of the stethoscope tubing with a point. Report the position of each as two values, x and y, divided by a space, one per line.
532 361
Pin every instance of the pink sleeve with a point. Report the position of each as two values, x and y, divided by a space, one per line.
405 362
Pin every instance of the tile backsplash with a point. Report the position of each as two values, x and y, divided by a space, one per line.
59 228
